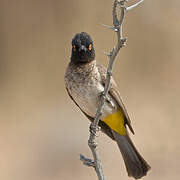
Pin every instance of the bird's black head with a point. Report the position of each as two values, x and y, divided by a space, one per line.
82 48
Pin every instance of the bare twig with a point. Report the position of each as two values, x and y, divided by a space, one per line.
117 27
134 5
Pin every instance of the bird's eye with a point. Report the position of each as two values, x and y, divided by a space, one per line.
90 47
74 48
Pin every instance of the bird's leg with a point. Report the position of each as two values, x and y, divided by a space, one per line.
108 100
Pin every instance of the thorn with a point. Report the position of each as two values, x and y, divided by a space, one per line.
87 161
110 27
133 6
107 26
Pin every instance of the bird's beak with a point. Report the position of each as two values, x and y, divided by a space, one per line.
82 48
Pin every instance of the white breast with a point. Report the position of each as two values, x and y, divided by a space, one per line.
86 93
87 97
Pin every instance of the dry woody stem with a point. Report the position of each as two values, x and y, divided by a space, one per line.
117 28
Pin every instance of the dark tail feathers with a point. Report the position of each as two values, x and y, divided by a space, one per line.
136 166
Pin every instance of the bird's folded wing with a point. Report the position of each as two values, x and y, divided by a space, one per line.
105 128
114 92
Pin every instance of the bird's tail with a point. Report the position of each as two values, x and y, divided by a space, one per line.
136 166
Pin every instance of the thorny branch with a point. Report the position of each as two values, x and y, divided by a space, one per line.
117 27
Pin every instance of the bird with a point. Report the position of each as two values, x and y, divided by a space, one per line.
85 81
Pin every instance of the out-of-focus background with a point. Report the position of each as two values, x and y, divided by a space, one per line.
42 132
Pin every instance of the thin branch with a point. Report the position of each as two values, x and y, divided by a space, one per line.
117 27
86 161
134 5
109 27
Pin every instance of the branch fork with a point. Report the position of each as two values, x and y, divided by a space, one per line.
117 27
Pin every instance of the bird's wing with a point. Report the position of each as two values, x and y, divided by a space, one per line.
105 128
114 92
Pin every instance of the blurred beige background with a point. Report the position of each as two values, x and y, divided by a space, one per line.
42 133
